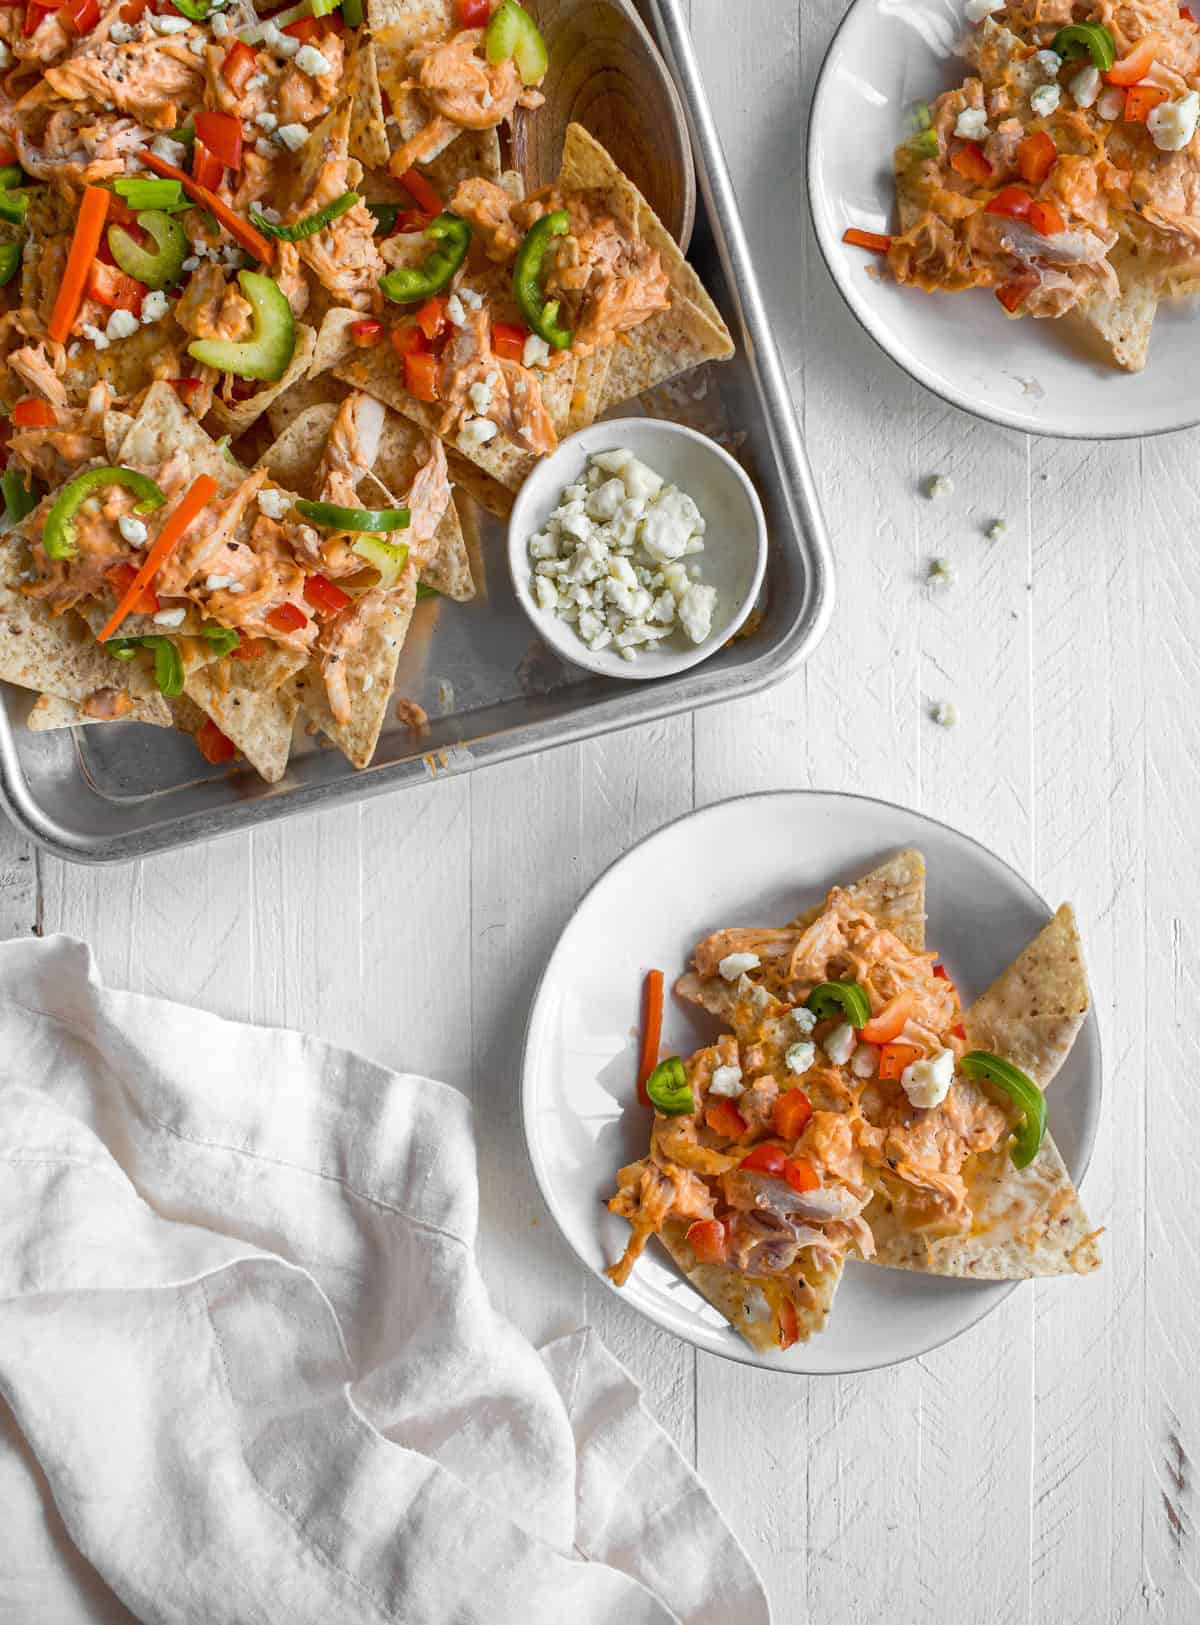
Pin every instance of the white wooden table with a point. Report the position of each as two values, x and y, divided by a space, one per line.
1042 1468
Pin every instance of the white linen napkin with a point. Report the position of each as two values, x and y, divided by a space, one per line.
249 1371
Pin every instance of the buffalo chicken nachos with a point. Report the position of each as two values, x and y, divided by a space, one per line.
852 1109
1064 173
267 297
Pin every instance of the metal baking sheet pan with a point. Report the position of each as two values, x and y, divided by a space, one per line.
111 792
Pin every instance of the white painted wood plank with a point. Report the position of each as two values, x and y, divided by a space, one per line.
19 901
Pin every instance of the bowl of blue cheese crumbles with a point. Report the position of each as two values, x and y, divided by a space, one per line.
638 549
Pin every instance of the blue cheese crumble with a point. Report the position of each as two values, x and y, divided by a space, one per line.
612 559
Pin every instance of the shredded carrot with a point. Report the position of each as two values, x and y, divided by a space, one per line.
93 211
874 240
201 491
241 230
651 1030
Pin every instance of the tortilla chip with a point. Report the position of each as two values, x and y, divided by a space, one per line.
893 894
1033 1012
368 122
163 426
493 497
449 571
591 385
323 391
692 331
728 1290
57 654
116 426
1026 1221
48 713
370 674
235 417
333 343
259 719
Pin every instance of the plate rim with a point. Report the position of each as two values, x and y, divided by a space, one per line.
735 1353
1001 416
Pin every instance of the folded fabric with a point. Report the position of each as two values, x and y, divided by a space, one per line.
249 1368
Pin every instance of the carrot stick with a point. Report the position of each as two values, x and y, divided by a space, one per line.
874 240
241 230
651 1031
202 490
93 211
419 189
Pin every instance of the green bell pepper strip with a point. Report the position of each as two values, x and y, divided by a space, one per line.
151 194
11 175
385 217
1023 1093
272 342
310 225
10 262
20 498
13 206
223 638
527 280
410 285
925 142
1086 39
513 35
669 1090
58 537
333 517
196 11
389 558
162 266
168 662
838 998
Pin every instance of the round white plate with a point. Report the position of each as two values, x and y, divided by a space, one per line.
757 860
1048 377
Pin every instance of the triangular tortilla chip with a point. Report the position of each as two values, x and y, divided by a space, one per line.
733 1293
368 122
164 426
1033 1012
48 713
1026 1221
258 719
235 417
370 673
692 331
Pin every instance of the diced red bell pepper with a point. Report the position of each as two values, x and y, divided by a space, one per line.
111 288
120 578
251 649
32 413
8 155
789 1324
1046 219
366 334
35 13
186 388
410 220
1036 157
893 1058
431 318
473 13
1011 201
765 1159
1140 102
324 597
207 169
792 1112
723 1117
800 1174
709 1240
221 134
969 162
508 340
941 973
1012 295
421 192
214 746
420 377
958 1031
134 10
287 618
408 339
305 29
120 214
239 64
81 15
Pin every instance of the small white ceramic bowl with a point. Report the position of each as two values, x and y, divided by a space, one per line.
1046 377
735 538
